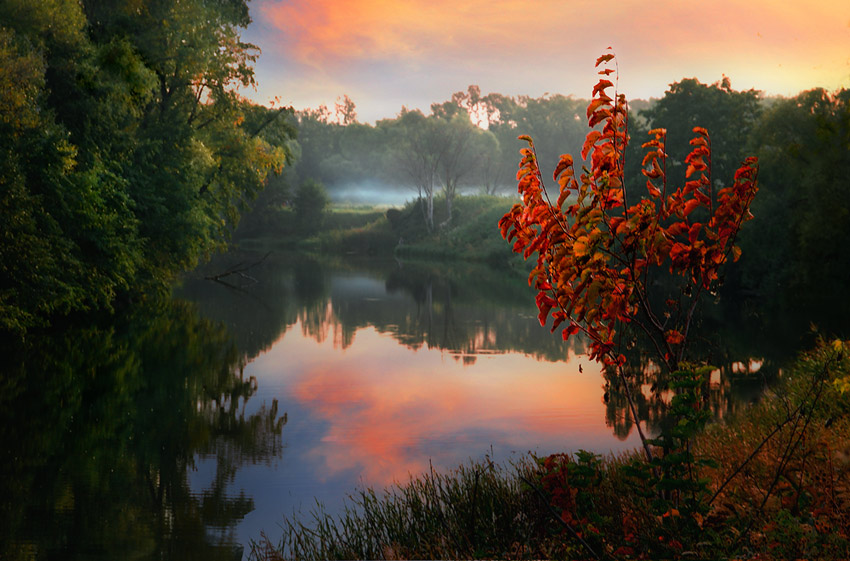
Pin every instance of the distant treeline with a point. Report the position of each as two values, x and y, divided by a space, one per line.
796 247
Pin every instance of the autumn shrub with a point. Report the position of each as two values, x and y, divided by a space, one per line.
781 484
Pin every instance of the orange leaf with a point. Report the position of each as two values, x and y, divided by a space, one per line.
690 206
604 58
591 139
564 163
596 104
736 253
601 85
673 337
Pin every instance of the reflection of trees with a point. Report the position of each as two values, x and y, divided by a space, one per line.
103 425
746 362
255 313
470 309
464 309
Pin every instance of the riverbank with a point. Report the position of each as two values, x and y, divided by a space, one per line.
471 235
776 486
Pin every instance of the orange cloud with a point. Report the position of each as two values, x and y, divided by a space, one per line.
381 49
327 30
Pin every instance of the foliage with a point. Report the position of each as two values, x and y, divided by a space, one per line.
125 149
310 203
730 115
595 257
799 256
599 250
598 253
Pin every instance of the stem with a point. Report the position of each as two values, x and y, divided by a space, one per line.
643 440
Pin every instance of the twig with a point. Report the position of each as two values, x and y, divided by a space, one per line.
792 415
238 270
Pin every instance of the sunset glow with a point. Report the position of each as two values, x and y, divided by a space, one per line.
386 423
388 54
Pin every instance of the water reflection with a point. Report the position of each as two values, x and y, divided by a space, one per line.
387 369
385 411
101 426
162 434
467 310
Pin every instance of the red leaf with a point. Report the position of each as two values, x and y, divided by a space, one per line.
690 206
601 85
673 337
591 139
596 104
604 58
694 232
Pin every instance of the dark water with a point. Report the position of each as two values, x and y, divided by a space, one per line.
185 427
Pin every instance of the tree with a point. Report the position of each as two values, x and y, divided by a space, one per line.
554 120
310 203
68 239
599 247
728 115
803 220
125 146
462 146
417 157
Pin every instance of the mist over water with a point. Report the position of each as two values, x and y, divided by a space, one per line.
380 193
377 193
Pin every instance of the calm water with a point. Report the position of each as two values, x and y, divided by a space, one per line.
184 429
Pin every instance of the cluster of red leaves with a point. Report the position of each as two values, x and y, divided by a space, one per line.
594 249
555 481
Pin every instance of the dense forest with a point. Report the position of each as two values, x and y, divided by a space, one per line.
125 153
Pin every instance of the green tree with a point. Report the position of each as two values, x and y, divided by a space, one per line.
800 255
556 121
416 157
124 145
728 116
311 201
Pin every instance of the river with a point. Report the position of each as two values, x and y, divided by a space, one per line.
186 427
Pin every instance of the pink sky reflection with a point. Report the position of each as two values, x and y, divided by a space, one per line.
389 410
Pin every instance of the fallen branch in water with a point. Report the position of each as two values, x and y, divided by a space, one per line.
238 269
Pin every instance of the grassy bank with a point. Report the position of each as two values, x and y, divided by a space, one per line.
471 234
774 484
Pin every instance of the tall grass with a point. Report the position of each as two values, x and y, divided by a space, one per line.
479 510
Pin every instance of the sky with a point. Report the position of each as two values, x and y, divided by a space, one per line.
385 54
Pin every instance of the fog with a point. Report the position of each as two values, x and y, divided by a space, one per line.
374 193
379 193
